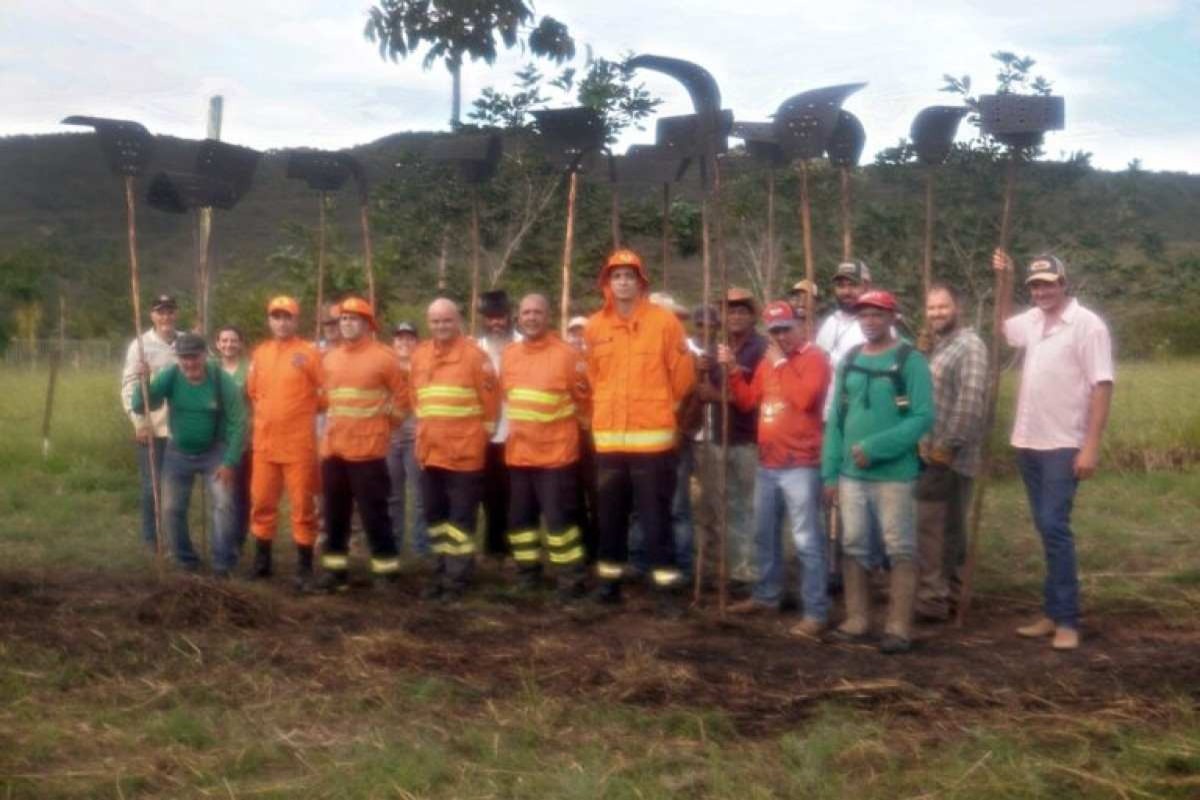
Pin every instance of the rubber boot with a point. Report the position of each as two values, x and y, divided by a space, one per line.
262 560
333 581
669 604
608 593
529 579
304 569
571 583
856 589
902 593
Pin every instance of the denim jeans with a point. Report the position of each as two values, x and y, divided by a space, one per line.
891 505
143 461
681 517
798 489
179 472
1050 482
405 474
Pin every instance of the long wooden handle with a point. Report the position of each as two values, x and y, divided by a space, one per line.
568 252
475 247
364 218
723 470
810 273
320 264
847 224
135 287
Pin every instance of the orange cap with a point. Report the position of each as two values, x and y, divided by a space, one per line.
283 303
624 257
356 305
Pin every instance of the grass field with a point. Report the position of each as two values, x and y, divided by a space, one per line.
115 682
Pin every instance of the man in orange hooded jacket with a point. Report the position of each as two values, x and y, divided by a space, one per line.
639 368
544 382
284 387
367 392
456 398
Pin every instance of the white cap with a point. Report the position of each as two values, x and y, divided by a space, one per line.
577 322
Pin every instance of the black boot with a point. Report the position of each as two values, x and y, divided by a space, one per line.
669 604
304 569
333 582
608 593
262 560
529 580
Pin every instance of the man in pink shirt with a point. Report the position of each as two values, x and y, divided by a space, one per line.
1062 408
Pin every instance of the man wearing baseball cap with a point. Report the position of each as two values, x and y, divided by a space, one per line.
150 432
1062 409
206 416
788 389
798 295
284 387
882 406
840 331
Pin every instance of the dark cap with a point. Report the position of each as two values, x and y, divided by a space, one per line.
190 344
855 270
494 303
1046 268
700 313
404 327
164 301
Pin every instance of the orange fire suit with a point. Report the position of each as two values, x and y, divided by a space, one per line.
457 400
367 393
284 387
544 381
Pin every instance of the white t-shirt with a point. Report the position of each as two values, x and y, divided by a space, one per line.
494 350
1062 366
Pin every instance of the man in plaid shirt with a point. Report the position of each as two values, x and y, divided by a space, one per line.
950 452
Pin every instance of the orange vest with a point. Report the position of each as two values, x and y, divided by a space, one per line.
544 381
284 387
455 396
639 369
367 392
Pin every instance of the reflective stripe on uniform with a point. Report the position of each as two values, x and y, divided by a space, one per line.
667 577
443 391
427 411
357 394
455 533
608 570
359 412
571 556
634 440
334 561
527 415
385 566
536 396
526 556
564 539
523 537
452 549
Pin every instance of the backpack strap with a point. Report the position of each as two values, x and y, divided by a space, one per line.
843 396
895 373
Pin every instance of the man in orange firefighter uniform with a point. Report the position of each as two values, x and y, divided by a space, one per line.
455 394
367 394
639 369
544 383
284 387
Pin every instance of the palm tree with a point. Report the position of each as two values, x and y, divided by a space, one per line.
453 29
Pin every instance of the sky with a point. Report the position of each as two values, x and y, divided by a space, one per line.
299 72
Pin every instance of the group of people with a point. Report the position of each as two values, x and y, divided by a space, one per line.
583 450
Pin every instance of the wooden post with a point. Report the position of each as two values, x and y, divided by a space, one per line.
723 471
474 260
320 262
56 358
1001 288
769 280
847 222
615 215
809 267
443 252
927 263
135 287
204 216
707 333
364 217
564 306
666 235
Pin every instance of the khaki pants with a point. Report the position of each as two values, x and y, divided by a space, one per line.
743 464
943 497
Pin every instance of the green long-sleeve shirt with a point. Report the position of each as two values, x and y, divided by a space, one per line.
197 419
874 422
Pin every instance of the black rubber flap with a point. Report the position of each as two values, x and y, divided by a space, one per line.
804 122
127 145
933 131
846 143
759 138
227 163
322 171
477 155
695 134
699 82
647 164
179 192
569 133
1020 120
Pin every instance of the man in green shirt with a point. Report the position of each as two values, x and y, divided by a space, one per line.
207 422
882 406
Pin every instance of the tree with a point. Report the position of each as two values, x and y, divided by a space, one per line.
454 29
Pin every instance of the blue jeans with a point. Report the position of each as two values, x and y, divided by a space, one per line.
1050 482
404 474
143 461
798 489
179 472
890 505
681 516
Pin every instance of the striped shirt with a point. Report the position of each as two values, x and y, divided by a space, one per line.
959 363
